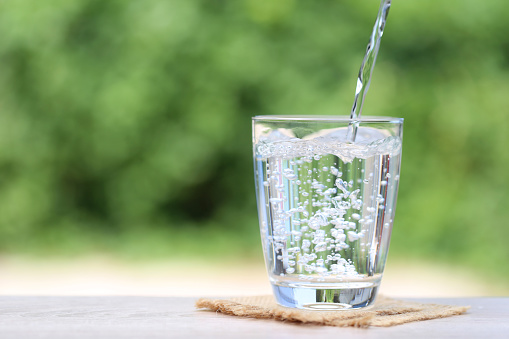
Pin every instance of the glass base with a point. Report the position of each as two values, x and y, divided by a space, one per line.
325 299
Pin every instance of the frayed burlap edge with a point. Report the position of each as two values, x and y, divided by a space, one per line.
386 312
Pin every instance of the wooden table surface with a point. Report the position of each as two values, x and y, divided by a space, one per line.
168 317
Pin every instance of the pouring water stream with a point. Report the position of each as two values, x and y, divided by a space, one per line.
366 70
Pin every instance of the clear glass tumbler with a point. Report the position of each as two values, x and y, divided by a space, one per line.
326 203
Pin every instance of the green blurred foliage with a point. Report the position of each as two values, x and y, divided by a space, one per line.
125 125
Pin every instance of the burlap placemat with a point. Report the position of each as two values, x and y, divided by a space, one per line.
385 312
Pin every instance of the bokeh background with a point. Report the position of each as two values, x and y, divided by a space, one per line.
125 126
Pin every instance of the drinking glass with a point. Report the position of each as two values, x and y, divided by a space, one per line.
326 190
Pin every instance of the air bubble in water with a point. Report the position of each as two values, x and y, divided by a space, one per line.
342 185
305 244
352 236
321 246
289 174
357 204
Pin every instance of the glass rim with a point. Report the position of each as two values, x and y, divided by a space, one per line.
328 118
